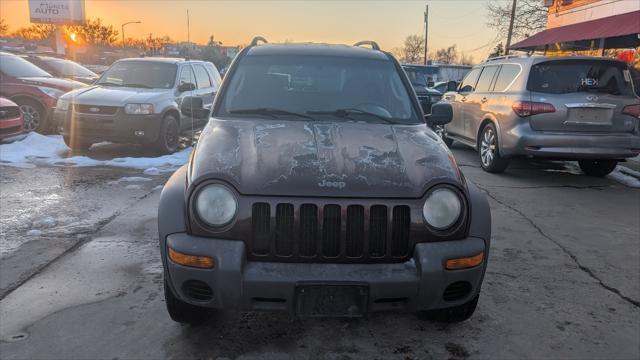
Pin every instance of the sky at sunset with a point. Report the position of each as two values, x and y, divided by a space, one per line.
458 22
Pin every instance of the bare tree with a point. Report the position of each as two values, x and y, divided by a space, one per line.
412 51
466 59
3 27
497 51
531 17
36 32
445 56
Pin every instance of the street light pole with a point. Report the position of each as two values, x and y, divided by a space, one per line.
127 23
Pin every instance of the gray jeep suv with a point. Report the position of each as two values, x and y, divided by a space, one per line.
570 108
318 188
138 101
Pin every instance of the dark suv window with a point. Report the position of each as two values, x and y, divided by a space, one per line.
508 73
18 67
142 74
469 82
201 76
306 84
486 78
570 76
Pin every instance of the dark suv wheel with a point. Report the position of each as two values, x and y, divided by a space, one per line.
488 148
598 168
453 314
182 312
169 137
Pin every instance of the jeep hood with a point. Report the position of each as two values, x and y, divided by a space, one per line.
114 96
337 159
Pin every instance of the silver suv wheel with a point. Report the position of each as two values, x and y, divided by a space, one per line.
488 147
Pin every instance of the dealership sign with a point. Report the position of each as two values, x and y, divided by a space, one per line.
57 11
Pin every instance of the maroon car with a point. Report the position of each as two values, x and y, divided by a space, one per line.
11 121
33 89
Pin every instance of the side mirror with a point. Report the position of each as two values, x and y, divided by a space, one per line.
441 114
192 106
452 86
186 87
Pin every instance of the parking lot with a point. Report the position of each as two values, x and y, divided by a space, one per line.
81 275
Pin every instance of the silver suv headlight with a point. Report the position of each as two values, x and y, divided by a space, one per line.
216 205
138 109
443 208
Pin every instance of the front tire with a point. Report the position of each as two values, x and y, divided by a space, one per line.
35 118
169 137
454 314
182 312
489 151
598 168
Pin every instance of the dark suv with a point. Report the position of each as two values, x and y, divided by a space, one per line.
62 68
318 188
139 101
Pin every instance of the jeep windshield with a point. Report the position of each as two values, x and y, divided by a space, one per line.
140 74
318 88
571 76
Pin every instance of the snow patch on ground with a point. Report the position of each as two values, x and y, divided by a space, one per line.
152 171
129 179
133 187
37 149
625 176
34 232
159 187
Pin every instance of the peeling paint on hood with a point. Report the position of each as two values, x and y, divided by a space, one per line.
306 158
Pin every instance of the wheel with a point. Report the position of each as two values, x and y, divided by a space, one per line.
182 312
598 168
454 314
169 136
77 144
34 115
441 131
490 158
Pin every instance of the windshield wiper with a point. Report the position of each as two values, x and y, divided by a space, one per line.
108 83
270 112
137 86
346 113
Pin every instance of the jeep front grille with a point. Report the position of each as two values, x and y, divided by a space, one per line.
329 233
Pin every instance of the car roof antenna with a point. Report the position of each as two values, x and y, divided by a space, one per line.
255 40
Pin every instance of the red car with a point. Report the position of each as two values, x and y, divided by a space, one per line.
33 89
11 121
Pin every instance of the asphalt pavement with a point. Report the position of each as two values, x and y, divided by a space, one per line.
81 278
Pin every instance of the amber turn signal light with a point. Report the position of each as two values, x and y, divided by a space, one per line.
466 262
202 262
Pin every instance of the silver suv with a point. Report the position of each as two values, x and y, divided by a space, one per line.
569 108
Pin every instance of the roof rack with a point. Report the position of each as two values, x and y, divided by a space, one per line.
373 44
503 57
255 40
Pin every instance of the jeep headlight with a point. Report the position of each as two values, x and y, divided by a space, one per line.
216 205
138 109
443 208
62 105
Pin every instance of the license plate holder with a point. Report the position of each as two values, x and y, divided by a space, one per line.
589 116
332 300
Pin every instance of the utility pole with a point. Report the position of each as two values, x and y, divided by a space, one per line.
513 16
127 23
426 33
188 31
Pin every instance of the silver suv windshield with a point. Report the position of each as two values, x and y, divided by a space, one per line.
140 74
318 88
571 76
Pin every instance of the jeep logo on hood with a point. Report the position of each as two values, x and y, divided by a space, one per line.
333 184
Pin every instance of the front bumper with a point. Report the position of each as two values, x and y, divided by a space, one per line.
522 140
11 129
119 127
418 284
